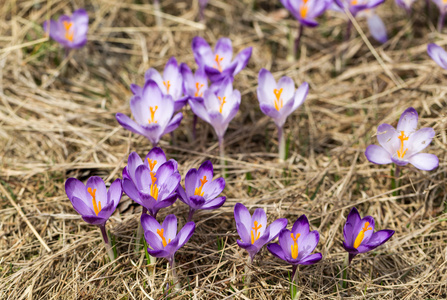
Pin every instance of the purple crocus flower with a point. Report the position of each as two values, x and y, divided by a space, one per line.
194 85
69 31
403 144
219 106
360 236
296 246
170 84
94 203
153 188
442 11
163 239
153 113
219 65
438 54
405 4
355 6
200 190
375 24
305 11
253 231
279 100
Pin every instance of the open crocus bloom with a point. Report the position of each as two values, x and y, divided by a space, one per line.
360 236
403 144
69 31
170 84
438 54
253 231
305 11
355 6
92 201
201 190
219 65
152 112
196 84
279 100
296 246
219 106
153 190
163 239
153 160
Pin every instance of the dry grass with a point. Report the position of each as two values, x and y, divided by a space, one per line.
57 121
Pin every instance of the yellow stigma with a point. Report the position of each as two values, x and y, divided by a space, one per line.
161 232
198 87
361 235
303 10
154 188
254 233
152 163
222 102
354 2
96 207
69 36
294 247
278 101
167 84
153 110
198 191
401 152
218 60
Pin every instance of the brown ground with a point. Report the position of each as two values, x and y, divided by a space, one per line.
57 121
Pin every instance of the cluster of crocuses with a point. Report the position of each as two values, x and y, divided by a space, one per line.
154 183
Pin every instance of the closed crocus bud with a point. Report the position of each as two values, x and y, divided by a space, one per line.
438 54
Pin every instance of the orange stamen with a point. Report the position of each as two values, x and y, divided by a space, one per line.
167 84
222 102
361 235
401 152
303 10
161 234
198 191
96 207
154 188
294 247
153 110
198 87
218 60
278 101
354 2
152 163
255 235
69 36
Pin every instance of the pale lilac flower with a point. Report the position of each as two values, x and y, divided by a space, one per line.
218 64
170 84
153 113
403 144
405 4
355 6
69 31
219 106
201 190
152 189
296 245
253 231
305 11
279 100
194 85
438 54
442 11
375 24
359 234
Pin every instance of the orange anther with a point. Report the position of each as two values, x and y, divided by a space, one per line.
218 60
222 102
294 247
278 101
167 84
161 232
361 235
68 35
254 233
198 87
152 163
198 191
401 152
153 110
96 207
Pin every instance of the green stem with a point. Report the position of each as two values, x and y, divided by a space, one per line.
295 292
105 238
247 277
346 262
222 156
281 144
174 274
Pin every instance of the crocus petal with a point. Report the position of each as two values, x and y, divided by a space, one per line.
214 204
114 193
352 221
225 51
261 218
170 227
75 188
276 227
96 183
94 220
191 181
213 188
157 157
196 202
311 259
198 108
419 140
377 155
143 178
81 207
388 137
424 161
243 221
242 59
300 95
129 124
131 190
308 243
174 123
277 251
438 54
133 161
379 238
301 226
202 51
185 234
408 121
154 240
377 28
182 195
163 203
149 223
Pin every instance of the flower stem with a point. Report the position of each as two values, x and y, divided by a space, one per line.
247 277
295 293
346 264
174 274
157 10
281 144
105 238
191 214
297 41
222 156
441 21
194 126
140 232
348 31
